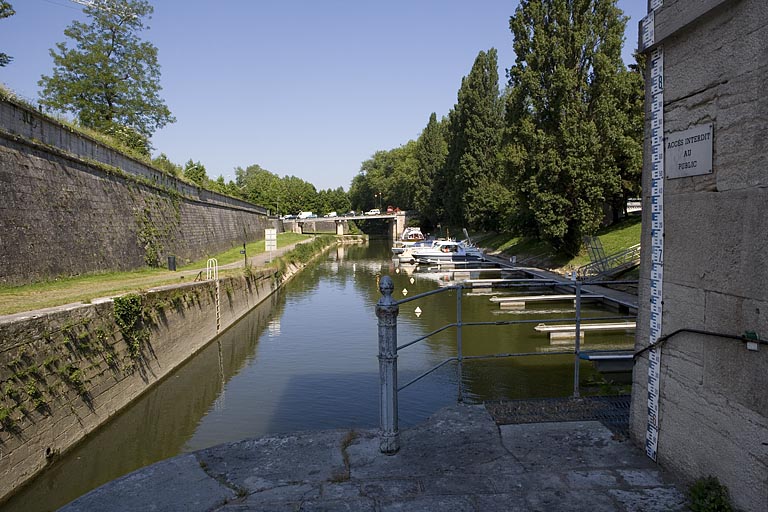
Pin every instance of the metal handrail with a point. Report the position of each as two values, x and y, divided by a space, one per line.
609 263
387 310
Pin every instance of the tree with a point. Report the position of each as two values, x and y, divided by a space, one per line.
476 125
110 78
164 163
430 152
6 10
388 178
260 186
629 124
195 172
564 115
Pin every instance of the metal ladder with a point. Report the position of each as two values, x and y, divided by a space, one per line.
212 272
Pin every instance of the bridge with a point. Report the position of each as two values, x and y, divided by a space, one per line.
396 220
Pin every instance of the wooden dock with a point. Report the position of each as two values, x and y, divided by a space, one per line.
604 326
564 334
610 362
488 283
519 301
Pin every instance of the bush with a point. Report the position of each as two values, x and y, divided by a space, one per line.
709 495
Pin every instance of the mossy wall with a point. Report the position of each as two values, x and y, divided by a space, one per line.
63 374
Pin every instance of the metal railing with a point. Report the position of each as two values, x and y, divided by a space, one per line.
387 310
610 264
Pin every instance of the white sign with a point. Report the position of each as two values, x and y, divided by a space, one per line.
270 239
689 153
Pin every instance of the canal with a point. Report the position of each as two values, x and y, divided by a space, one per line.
306 359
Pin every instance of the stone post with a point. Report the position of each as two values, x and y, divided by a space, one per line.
387 311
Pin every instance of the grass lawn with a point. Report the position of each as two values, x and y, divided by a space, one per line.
84 288
615 238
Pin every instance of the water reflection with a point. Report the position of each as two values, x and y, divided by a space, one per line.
307 359
154 427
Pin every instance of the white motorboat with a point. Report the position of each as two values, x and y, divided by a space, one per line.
446 251
410 237
406 254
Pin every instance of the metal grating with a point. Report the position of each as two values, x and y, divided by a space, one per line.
611 411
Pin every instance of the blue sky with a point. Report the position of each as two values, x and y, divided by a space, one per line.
305 88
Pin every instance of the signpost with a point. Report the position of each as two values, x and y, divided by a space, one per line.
270 240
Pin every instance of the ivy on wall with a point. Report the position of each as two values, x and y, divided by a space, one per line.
155 225
129 317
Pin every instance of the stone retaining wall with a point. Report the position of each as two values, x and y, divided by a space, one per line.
65 372
713 405
17 119
61 216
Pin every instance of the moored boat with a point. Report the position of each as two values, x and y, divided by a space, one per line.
446 251
410 236
406 254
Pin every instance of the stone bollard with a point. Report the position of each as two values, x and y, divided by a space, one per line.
387 311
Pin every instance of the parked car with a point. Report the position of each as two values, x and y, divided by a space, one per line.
331 214
374 211
306 215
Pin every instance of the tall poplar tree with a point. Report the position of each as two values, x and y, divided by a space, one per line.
564 116
476 125
431 150
109 79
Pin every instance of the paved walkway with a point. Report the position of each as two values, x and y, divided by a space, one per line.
459 460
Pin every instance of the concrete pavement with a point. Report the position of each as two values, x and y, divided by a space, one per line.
459 460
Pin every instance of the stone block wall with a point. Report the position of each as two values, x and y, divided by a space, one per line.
65 373
61 215
713 406
19 120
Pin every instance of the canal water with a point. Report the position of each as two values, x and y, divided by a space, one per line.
306 359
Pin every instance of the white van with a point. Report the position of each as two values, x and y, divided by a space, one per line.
306 215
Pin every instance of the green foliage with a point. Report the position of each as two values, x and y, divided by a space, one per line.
389 178
195 172
573 134
149 238
430 153
476 123
333 200
34 393
287 194
164 163
73 377
302 253
709 495
6 10
129 315
109 77
128 137
530 250
492 206
11 392
6 420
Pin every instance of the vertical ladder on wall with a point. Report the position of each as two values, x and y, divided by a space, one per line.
212 272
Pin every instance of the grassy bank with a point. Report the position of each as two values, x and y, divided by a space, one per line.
85 288
540 254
